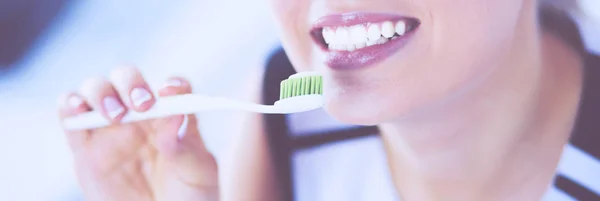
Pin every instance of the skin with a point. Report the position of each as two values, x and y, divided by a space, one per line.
143 160
480 119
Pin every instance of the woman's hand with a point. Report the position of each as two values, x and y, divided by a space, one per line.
160 159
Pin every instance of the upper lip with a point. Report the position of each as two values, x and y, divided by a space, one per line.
353 18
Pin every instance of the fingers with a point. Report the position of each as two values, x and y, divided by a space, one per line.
125 90
180 142
174 86
174 132
103 97
187 156
132 88
71 104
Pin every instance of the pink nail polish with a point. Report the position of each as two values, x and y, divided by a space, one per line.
112 106
75 101
173 83
139 96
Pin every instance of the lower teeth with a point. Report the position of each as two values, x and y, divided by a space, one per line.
380 41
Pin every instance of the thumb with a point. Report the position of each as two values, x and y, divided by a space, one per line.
177 134
180 145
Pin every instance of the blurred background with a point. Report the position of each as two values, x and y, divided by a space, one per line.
222 45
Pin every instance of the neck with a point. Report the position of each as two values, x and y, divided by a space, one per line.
501 140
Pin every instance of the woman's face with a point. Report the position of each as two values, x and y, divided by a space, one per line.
385 59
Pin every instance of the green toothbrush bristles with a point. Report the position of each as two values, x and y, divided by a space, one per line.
298 86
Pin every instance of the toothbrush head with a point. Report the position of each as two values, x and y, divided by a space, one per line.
301 92
300 84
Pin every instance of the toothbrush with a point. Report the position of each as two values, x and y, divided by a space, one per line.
301 92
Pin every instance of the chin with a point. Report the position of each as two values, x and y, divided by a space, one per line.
355 114
364 105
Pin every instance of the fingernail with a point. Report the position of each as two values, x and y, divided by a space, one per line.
173 83
183 128
113 107
75 101
139 96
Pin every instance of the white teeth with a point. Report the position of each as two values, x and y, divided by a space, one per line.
360 45
374 32
350 47
382 40
342 36
358 34
361 36
333 47
328 35
387 29
371 42
400 28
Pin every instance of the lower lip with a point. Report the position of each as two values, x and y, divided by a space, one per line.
368 56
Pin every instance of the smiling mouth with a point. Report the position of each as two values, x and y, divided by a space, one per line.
357 40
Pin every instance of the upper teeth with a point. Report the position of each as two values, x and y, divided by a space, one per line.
360 36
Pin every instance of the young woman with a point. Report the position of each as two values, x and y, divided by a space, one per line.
457 100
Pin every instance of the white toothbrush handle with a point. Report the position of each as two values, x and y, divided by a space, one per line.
193 103
167 106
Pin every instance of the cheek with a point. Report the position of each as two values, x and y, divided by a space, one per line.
466 31
293 25
468 39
